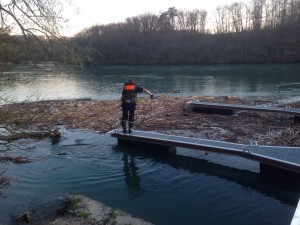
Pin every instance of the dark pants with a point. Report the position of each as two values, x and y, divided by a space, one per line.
128 113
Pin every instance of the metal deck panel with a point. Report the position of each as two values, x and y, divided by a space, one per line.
282 157
289 154
296 218
208 105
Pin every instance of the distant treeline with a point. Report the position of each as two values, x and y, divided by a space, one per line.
260 31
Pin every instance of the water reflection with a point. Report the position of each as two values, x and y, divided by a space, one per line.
161 188
132 179
286 192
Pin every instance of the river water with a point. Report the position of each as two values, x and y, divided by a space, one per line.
251 81
189 187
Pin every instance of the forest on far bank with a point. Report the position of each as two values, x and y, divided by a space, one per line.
260 31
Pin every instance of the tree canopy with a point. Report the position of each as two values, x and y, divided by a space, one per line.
261 31
31 27
258 31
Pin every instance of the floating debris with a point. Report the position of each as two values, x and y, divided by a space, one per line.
54 134
3 181
164 113
22 135
16 159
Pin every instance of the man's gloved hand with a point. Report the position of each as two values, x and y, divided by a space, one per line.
152 96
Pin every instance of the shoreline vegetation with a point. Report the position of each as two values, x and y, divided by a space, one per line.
167 114
260 31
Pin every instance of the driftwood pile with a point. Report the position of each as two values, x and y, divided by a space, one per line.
164 113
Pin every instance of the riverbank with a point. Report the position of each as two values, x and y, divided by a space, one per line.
81 210
164 113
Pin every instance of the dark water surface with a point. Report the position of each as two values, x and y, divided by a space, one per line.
104 82
187 188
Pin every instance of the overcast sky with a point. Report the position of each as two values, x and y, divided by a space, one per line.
92 12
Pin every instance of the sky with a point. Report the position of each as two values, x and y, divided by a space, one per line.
92 12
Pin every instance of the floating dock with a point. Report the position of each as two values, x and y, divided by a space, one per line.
296 218
229 109
275 161
271 158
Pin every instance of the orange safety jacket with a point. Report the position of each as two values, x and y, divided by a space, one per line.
129 95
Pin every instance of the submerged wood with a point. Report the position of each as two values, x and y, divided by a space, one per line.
16 159
3 181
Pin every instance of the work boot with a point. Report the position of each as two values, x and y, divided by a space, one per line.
124 126
130 127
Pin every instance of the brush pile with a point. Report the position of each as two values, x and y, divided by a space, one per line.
167 114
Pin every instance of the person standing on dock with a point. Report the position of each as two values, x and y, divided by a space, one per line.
129 100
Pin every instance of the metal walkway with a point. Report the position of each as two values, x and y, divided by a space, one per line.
296 218
286 158
233 107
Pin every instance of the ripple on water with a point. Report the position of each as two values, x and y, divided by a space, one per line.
164 189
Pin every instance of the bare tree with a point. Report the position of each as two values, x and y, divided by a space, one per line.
172 11
294 11
167 19
149 22
236 12
257 14
38 21
192 19
222 19
181 20
134 24
202 20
